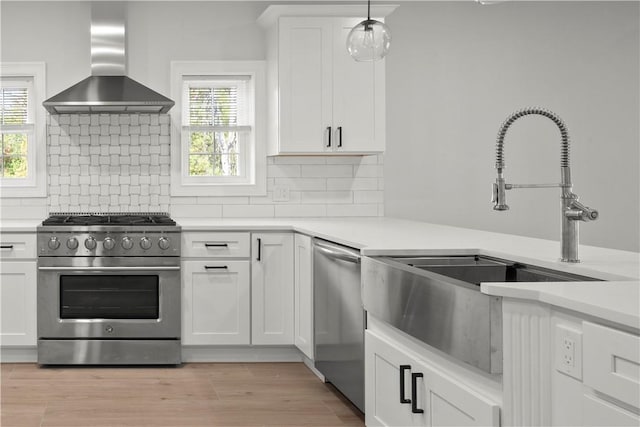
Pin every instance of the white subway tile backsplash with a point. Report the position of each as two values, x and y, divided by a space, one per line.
247 211
300 211
283 171
326 171
367 171
352 184
302 183
325 197
300 160
196 211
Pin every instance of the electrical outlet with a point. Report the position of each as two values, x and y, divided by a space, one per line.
280 194
568 354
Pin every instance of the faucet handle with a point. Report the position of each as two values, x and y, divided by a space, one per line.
499 196
579 212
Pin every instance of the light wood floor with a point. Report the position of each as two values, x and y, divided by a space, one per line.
196 394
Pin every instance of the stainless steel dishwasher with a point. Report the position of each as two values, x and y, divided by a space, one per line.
339 318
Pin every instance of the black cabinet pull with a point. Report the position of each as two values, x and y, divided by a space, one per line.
259 258
339 136
215 267
414 393
329 139
6 246
402 369
216 245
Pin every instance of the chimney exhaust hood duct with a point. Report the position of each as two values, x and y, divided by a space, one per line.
108 89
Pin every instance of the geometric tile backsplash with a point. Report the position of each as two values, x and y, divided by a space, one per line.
109 162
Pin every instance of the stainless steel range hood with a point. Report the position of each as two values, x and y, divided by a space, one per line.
108 89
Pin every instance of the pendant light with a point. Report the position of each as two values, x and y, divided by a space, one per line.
369 40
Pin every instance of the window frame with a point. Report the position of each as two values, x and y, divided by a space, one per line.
255 183
35 185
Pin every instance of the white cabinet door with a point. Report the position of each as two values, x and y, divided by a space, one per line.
403 390
303 294
448 402
18 303
272 288
305 87
388 384
358 97
216 302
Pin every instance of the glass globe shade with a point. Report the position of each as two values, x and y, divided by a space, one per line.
369 40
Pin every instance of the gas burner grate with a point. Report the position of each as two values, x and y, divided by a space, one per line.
108 218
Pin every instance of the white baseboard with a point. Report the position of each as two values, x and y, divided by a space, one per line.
18 354
241 354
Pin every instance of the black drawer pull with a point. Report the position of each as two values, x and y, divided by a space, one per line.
6 246
403 368
414 393
215 267
216 245
329 136
259 258
339 136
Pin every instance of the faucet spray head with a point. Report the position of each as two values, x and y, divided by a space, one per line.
499 195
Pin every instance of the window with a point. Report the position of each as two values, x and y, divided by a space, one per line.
22 159
219 150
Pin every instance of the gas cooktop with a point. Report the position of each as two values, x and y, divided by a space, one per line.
144 234
106 219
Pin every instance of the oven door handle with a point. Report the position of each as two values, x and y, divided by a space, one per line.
158 268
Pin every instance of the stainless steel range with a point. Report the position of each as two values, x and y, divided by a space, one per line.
109 289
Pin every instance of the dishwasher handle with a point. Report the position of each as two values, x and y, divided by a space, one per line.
336 253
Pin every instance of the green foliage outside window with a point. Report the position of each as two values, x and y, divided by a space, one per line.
213 153
14 155
13 112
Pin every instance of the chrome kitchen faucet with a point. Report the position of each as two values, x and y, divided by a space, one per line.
572 210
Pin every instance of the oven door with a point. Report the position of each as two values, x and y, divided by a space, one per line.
109 297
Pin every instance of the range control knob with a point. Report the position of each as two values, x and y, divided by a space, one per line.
109 243
145 243
72 243
127 243
164 243
90 243
54 243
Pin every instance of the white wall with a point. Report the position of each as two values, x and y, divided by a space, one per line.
454 73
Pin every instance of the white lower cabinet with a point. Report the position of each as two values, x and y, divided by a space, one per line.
403 390
303 294
18 303
272 288
216 302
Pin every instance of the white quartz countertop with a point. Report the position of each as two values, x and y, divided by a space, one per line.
19 225
393 236
616 300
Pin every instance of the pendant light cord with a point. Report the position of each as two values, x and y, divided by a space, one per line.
368 10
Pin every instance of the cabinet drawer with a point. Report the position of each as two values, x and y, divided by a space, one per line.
18 246
598 413
612 362
216 244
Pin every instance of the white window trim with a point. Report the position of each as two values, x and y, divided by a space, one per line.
35 186
180 186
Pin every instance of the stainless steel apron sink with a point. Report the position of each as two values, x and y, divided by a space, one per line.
438 300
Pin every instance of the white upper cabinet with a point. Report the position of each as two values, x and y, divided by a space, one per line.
321 101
